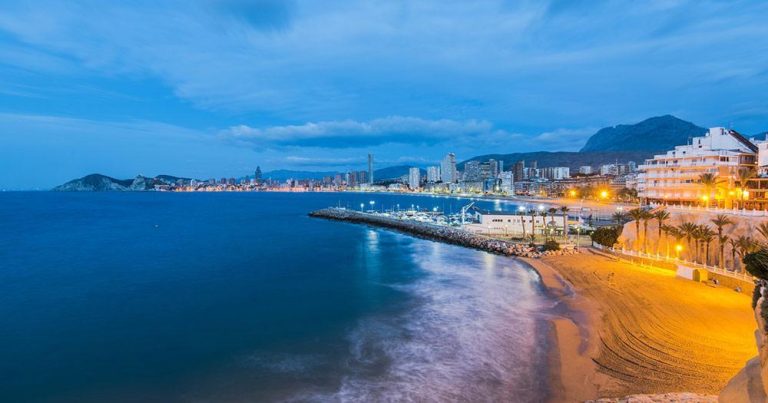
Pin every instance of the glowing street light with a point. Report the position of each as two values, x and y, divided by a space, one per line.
572 193
541 207
678 249
604 194
362 206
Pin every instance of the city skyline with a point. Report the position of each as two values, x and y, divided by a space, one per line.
234 84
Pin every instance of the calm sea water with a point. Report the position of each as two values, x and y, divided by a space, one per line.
242 297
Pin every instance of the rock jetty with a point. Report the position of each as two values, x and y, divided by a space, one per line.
437 232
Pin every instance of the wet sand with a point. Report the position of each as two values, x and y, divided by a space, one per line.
627 329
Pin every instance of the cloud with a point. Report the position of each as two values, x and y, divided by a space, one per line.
357 134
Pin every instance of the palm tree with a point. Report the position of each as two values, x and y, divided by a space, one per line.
636 215
743 177
687 229
564 210
552 211
668 230
619 217
709 181
746 245
734 243
660 216
522 222
696 235
720 222
707 236
647 216
533 225
675 233
762 228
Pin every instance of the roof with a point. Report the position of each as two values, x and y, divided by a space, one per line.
742 140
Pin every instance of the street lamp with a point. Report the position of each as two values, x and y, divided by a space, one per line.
362 206
678 249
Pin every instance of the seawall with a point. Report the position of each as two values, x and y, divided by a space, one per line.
431 231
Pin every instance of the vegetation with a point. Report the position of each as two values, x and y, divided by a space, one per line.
661 216
564 210
756 263
720 222
606 236
710 182
551 245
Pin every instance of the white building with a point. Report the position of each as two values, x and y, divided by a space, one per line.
448 169
414 178
585 170
511 224
433 174
673 177
555 173
507 182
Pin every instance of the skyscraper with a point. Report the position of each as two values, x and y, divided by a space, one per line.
519 171
414 178
448 168
433 174
370 169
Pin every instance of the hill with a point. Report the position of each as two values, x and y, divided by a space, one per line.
95 183
103 183
656 134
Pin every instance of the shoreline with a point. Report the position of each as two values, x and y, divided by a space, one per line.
618 329
572 336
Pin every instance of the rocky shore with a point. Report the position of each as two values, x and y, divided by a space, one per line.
438 232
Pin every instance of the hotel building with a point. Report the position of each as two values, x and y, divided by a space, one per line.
674 177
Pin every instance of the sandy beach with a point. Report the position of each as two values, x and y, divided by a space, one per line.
627 329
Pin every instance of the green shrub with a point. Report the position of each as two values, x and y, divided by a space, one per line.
756 263
606 236
551 245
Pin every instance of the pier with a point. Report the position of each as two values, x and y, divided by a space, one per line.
443 233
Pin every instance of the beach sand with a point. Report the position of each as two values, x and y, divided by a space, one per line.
628 330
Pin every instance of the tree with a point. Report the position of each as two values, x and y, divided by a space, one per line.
746 245
668 231
533 225
619 217
707 236
564 210
661 216
606 236
697 235
709 181
720 222
734 244
687 229
756 263
762 229
647 216
743 176
552 211
636 215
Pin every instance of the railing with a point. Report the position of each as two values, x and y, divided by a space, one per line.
713 210
737 275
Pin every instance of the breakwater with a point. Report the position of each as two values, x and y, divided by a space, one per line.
437 232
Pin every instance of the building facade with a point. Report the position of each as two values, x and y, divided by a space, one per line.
675 177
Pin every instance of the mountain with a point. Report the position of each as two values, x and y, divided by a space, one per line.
570 159
95 183
656 134
103 183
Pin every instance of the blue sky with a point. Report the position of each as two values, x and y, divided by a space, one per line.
214 88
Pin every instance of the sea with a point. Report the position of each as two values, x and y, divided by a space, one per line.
241 297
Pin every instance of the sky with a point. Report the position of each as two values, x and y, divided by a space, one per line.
215 88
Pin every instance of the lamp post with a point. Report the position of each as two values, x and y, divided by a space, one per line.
362 206
372 203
